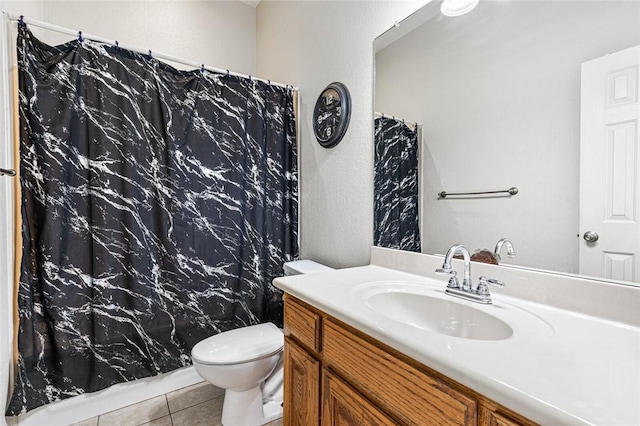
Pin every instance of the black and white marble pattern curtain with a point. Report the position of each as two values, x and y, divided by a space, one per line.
396 223
157 207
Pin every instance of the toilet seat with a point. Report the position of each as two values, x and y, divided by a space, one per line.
239 346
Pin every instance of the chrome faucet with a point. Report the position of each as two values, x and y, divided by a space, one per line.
510 250
446 267
466 291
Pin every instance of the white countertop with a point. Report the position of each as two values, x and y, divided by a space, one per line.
568 368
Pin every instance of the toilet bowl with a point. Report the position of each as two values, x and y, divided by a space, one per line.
247 363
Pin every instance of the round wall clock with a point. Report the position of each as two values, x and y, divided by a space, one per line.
331 114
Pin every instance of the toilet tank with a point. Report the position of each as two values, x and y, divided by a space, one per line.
298 267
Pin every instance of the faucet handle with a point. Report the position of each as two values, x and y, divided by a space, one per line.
484 283
491 281
453 278
446 269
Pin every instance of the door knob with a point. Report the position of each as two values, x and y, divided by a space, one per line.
590 237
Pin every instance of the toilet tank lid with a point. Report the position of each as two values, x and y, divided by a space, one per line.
304 267
239 345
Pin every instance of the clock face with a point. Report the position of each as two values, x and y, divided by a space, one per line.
331 114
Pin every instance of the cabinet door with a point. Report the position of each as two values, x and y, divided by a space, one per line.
301 386
303 323
343 406
494 416
410 394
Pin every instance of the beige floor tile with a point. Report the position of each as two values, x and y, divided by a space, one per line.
162 421
192 395
204 414
89 422
136 414
275 423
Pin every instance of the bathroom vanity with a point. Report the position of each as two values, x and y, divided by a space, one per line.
362 347
335 374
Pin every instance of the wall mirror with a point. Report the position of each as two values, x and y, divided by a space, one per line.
538 95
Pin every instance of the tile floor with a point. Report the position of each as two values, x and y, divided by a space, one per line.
197 405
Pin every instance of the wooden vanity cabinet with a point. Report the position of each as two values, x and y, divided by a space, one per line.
498 416
342 405
337 375
302 385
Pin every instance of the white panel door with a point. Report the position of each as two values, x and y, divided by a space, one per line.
609 167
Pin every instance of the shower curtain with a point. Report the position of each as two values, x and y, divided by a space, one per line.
396 223
157 206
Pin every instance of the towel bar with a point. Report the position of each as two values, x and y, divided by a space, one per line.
511 191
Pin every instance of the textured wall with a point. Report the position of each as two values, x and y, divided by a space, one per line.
311 44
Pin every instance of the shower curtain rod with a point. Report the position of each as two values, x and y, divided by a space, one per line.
63 30
379 114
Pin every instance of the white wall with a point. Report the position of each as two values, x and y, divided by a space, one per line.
497 92
311 44
217 33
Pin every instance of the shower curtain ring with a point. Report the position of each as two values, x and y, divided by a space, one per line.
80 38
117 44
21 21
150 54
202 68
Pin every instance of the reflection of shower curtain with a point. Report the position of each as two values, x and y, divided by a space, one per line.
396 185
157 207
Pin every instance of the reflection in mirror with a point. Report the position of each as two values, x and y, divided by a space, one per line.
395 184
506 95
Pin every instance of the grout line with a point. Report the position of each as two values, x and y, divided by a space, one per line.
191 406
166 398
195 405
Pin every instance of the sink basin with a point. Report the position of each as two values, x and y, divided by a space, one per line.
424 306
439 315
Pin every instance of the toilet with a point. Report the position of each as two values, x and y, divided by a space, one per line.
247 362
